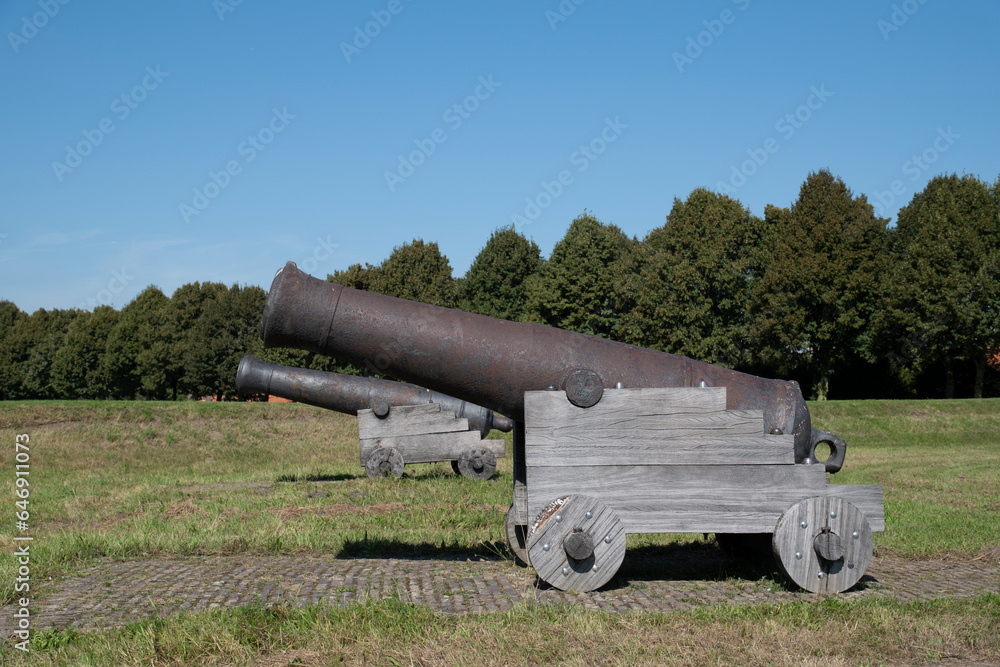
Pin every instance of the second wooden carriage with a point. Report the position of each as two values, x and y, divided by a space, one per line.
424 434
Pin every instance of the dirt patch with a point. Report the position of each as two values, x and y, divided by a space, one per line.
298 657
183 508
378 509
262 489
118 518
988 554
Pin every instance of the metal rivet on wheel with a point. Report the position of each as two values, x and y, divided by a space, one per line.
803 525
565 570
607 540
596 567
833 514
855 534
558 518
545 547
798 555
820 575
589 515
850 565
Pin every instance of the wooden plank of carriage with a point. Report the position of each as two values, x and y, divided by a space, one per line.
409 420
655 426
421 434
672 460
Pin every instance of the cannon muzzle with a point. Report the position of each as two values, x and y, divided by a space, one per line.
350 393
492 362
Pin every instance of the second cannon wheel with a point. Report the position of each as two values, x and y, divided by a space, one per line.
477 463
383 462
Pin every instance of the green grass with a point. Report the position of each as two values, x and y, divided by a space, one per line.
394 633
938 462
134 480
128 480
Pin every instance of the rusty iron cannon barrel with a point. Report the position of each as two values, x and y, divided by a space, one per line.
493 362
350 393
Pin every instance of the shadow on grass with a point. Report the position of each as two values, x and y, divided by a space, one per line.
319 477
707 561
383 548
692 561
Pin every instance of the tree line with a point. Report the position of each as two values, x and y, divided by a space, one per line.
823 292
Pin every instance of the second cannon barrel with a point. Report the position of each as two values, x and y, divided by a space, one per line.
351 393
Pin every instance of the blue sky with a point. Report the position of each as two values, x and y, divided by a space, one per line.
166 143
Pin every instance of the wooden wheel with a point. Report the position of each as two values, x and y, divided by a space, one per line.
577 543
454 468
823 544
383 462
517 536
477 463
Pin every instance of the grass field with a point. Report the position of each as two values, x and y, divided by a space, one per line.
130 480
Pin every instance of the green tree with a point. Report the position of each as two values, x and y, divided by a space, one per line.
45 335
946 296
419 272
692 291
579 287
128 368
815 303
13 349
355 276
227 329
186 306
495 284
76 367
416 271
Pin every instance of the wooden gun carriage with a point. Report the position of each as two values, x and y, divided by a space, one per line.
610 438
675 460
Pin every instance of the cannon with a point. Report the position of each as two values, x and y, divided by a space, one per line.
398 423
610 438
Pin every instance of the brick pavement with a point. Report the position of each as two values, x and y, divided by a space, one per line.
113 593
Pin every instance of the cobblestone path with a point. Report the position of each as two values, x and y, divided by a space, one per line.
111 594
